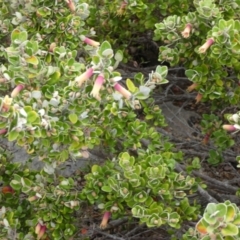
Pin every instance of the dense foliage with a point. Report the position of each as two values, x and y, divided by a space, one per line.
62 95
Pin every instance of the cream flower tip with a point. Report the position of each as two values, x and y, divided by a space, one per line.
7 102
123 91
206 45
186 32
17 90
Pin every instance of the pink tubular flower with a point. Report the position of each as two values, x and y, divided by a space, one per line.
198 97
40 230
105 219
71 5
17 90
83 77
89 41
123 91
206 45
192 87
186 32
122 8
231 128
97 86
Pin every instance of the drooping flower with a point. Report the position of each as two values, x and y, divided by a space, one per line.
84 76
105 220
122 8
17 90
97 86
192 87
187 30
6 103
206 45
123 91
89 41
231 128
198 97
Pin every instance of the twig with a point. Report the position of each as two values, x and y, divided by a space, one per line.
218 184
109 235
206 195
136 229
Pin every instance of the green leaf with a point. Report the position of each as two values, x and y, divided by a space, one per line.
12 136
230 230
106 189
33 60
54 78
32 116
73 118
18 37
231 212
16 185
130 85
118 56
96 169
202 226
104 46
162 70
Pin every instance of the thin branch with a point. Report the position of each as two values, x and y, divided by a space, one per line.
108 235
206 195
